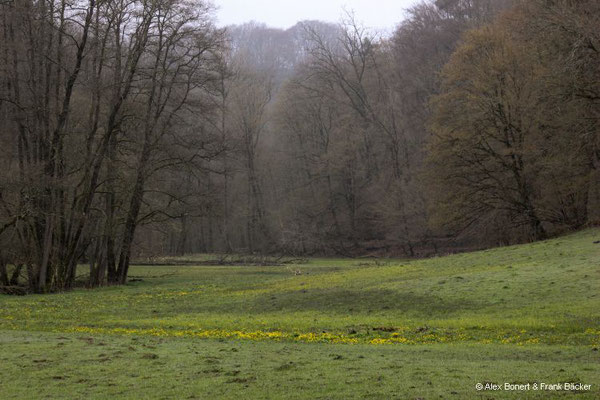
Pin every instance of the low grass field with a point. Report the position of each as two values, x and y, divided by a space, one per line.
327 328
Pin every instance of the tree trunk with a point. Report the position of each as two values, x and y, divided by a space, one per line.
3 273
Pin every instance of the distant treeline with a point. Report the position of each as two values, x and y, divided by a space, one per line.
136 128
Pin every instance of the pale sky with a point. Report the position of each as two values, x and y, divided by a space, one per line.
378 14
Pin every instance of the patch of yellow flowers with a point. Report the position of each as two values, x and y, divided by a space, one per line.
402 335
310 337
221 334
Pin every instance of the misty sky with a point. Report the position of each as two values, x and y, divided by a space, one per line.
379 14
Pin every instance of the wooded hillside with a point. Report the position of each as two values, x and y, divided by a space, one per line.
136 128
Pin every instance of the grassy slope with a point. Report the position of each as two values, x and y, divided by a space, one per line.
531 311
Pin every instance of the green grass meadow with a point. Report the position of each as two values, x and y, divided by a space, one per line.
324 329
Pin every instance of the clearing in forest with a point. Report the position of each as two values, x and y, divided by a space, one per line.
327 328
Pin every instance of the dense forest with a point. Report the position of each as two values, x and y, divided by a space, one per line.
136 128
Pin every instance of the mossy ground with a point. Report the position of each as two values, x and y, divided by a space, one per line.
410 329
